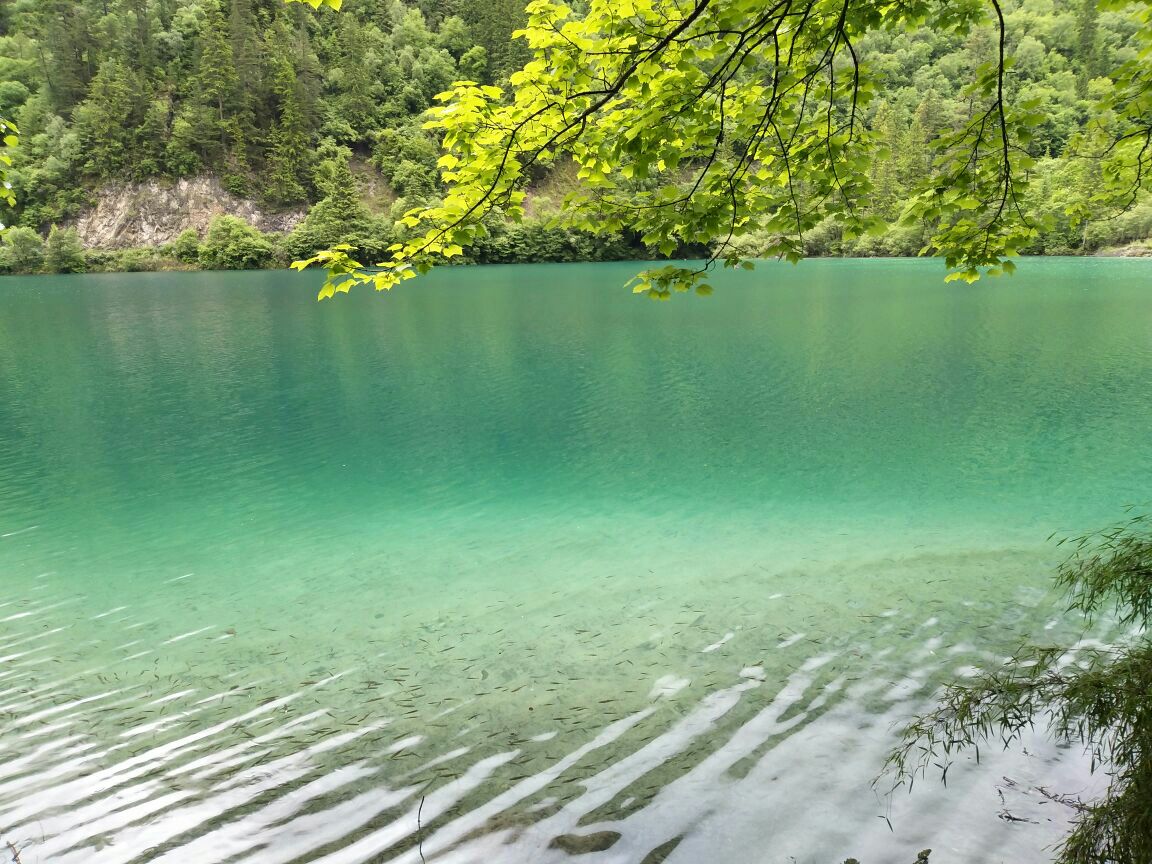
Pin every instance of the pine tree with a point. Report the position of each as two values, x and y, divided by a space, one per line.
335 181
912 160
492 23
885 182
142 50
150 136
66 47
217 83
1087 37
219 87
246 63
353 108
107 119
290 135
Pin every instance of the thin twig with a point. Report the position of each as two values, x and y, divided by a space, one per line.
420 830
15 852
1066 800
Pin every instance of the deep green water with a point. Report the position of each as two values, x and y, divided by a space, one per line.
552 558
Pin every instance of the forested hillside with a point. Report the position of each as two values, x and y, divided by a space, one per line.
290 107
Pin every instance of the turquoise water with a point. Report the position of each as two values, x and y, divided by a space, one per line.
510 559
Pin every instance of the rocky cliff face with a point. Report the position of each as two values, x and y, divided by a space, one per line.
153 213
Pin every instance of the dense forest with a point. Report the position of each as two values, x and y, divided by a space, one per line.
291 108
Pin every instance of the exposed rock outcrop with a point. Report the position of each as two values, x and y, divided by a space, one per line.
156 212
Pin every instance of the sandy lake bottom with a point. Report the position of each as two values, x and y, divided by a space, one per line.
511 567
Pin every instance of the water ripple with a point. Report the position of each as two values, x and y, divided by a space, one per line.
232 774
514 569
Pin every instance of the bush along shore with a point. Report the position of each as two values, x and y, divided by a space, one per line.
230 243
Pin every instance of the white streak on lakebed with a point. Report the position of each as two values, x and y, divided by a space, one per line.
455 739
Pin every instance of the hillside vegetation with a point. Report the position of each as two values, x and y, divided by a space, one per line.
291 108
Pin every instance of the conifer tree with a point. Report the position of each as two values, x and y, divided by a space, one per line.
141 48
353 108
66 48
106 121
289 139
219 88
884 172
247 65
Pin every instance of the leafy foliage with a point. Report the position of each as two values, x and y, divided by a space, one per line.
233 244
259 92
63 251
1099 697
710 121
186 247
22 251
247 90
9 139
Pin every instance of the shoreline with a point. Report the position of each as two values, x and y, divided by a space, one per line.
168 264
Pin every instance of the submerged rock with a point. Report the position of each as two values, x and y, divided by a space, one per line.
580 844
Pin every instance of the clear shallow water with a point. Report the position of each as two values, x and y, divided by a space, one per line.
554 561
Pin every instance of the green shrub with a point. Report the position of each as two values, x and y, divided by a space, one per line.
22 251
824 239
13 94
236 183
100 261
473 64
906 240
414 180
370 237
139 261
63 251
127 260
407 144
233 244
186 247
537 241
1128 227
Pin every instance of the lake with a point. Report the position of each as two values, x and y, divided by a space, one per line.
510 565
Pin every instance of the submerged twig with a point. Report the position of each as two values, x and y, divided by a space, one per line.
1066 800
420 830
